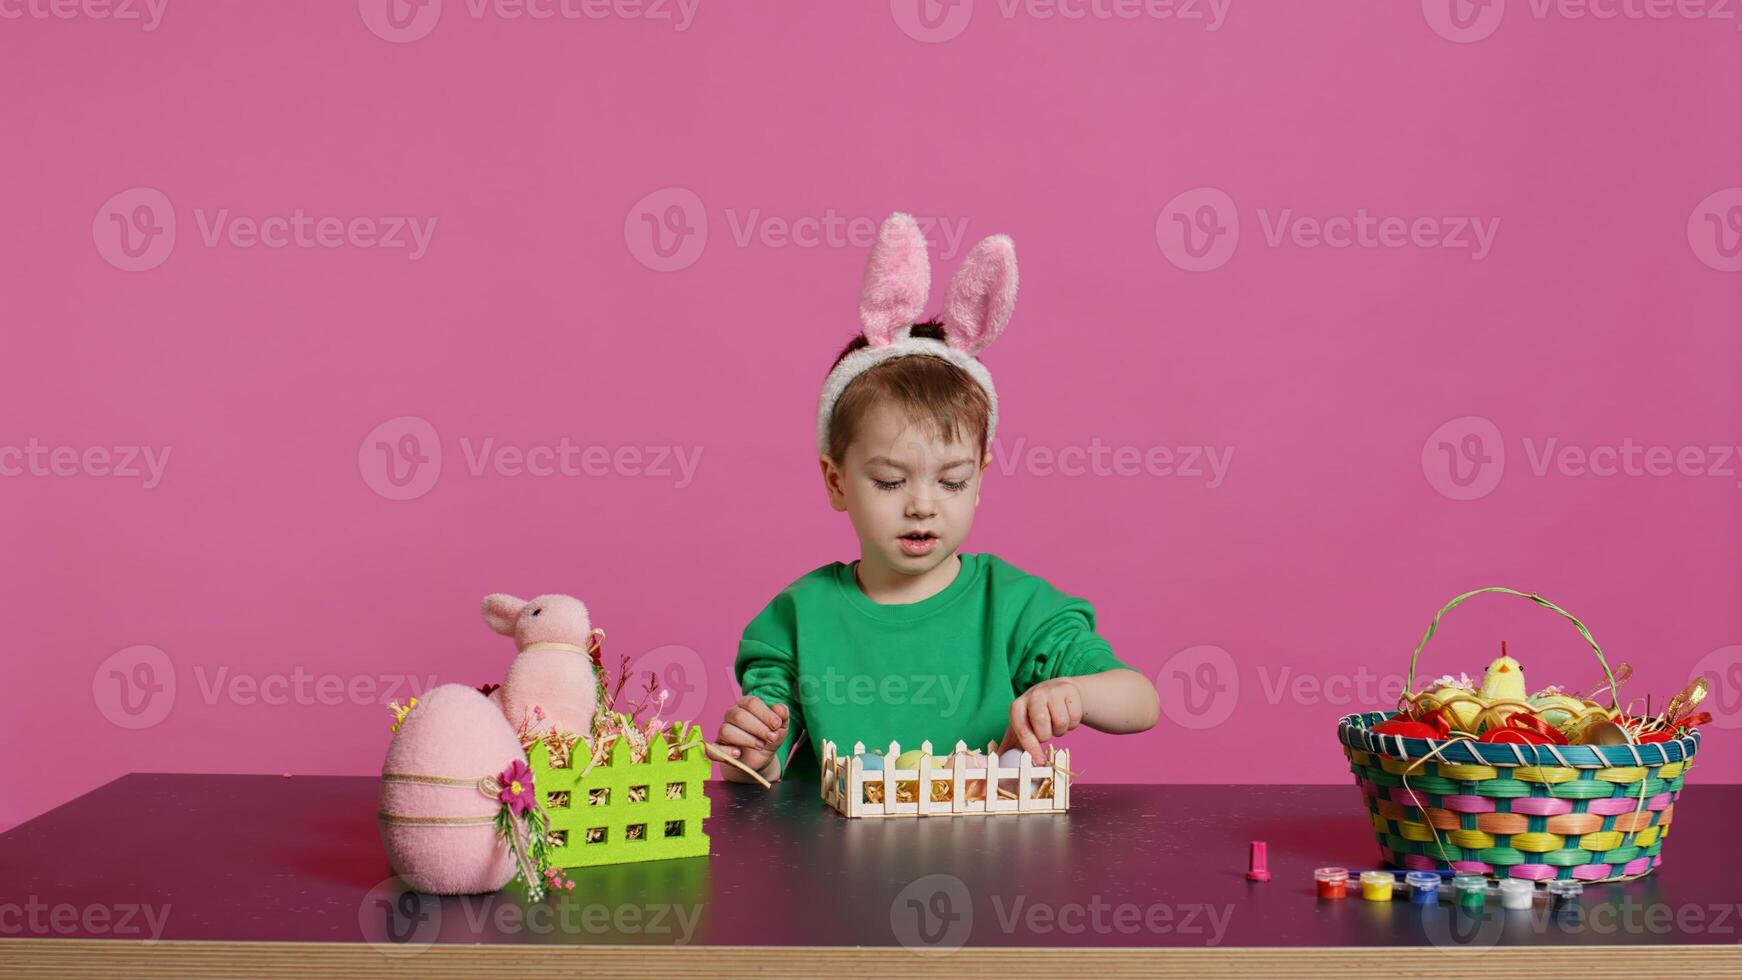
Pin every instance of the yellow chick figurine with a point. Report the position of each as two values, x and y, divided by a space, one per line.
1504 680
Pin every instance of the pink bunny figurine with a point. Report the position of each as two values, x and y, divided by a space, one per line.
553 672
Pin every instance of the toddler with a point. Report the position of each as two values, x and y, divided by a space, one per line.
917 640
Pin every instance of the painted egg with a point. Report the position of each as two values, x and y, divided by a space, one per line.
457 736
1558 710
870 762
1461 713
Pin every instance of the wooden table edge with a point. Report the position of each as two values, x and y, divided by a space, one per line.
72 959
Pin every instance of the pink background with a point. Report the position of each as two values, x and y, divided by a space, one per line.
1600 315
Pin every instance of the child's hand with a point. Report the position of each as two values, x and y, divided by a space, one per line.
752 731
1043 713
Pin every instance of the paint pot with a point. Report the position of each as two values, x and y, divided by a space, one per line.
1376 886
1333 882
1564 893
1424 887
1517 894
1471 890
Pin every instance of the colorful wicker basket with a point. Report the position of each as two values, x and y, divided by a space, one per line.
1590 812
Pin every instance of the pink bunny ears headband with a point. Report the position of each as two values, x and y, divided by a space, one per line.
897 283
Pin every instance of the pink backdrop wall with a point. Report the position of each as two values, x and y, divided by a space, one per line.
1430 280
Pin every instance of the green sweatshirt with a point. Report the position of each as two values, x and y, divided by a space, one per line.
945 668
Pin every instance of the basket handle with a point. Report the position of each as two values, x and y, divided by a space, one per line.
1614 692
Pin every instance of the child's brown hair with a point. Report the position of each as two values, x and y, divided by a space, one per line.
930 390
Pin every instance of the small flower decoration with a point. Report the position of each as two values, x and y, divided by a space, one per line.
400 711
1462 681
517 790
487 689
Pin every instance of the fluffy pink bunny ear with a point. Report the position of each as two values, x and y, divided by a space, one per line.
501 610
982 295
897 281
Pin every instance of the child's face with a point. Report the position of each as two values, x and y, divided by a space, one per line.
899 480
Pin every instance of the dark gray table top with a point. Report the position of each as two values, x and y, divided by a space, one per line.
211 857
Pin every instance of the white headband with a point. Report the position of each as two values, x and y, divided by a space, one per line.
897 283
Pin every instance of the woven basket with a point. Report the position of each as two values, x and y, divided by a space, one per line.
1590 812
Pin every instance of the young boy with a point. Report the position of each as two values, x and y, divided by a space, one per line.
915 640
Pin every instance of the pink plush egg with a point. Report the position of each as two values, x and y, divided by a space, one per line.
453 733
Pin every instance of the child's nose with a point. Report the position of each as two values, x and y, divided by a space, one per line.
920 504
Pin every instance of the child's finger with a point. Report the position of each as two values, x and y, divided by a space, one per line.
781 710
1040 719
737 738
750 724
761 710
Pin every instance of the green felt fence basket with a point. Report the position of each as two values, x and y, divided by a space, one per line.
622 810
1587 812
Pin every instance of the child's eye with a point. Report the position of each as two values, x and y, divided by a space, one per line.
954 486
888 484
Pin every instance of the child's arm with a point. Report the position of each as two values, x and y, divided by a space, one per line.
1118 701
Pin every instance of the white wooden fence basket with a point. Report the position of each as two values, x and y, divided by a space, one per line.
940 788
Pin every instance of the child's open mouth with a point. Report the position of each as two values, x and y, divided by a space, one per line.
918 543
